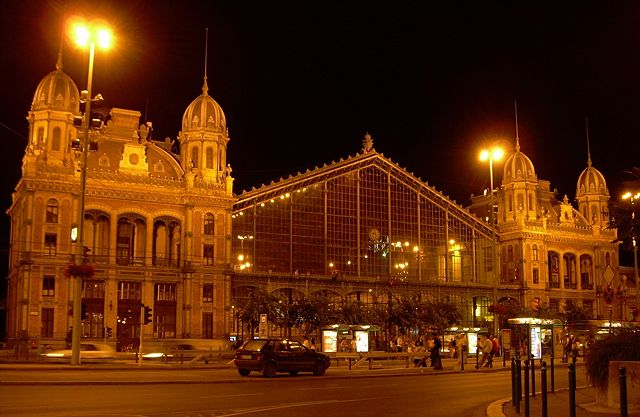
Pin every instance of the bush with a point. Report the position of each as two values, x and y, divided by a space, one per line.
621 347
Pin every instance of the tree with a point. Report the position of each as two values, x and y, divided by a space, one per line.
257 302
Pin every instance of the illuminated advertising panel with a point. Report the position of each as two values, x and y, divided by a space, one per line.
473 342
329 341
362 341
536 342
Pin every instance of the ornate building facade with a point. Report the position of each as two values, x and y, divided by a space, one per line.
164 229
156 224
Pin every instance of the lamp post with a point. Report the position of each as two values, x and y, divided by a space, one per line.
632 198
84 35
491 155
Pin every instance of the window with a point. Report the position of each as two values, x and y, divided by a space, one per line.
165 292
48 286
207 325
207 293
209 224
534 253
55 141
536 276
194 157
46 329
207 254
209 158
52 211
510 253
128 290
92 289
50 243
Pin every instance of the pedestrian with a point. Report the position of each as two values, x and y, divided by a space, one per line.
485 346
452 347
312 344
462 346
436 360
306 342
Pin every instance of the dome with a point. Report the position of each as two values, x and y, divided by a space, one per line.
204 113
518 167
591 181
57 91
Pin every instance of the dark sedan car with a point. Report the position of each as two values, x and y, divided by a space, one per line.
270 356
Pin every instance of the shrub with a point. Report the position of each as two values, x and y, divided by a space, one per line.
621 347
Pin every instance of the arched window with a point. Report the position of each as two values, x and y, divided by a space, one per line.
530 202
209 158
194 157
208 224
510 200
40 136
534 252
55 140
52 211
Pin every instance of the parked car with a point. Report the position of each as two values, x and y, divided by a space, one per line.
89 352
270 356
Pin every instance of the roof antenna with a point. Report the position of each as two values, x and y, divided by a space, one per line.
517 137
586 123
205 87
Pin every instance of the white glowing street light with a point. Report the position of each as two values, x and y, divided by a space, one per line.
633 198
491 155
84 34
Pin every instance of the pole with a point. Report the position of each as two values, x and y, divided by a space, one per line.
624 408
77 291
543 380
496 270
141 334
635 271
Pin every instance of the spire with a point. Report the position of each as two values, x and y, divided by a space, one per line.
586 122
59 63
205 87
517 137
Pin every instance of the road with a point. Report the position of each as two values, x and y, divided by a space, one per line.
195 394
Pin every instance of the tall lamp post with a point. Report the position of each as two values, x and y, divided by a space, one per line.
84 35
632 198
491 155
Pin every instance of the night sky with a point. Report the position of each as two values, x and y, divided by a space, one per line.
302 82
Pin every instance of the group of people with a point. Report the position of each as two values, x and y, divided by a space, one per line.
488 347
424 348
309 344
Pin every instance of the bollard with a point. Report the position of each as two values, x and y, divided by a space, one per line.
553 376
543 382
526 388
349 363
572 390
624 411
533 377
513 381
518 385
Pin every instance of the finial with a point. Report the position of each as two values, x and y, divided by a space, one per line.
586 123
517 137
367 143
205 87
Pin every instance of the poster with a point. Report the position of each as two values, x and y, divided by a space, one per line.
329 341
536 342
362 341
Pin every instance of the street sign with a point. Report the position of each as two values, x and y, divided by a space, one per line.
262 328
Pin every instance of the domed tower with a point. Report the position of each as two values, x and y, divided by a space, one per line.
592 195
203 138
55 103
519 184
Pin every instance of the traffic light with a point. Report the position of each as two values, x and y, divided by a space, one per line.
148 318
108 332
83 311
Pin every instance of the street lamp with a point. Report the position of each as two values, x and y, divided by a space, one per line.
491 155
84 35
632 198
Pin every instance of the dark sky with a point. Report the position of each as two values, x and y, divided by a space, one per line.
301 82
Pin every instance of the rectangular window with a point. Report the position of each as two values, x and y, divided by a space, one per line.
536 275
207 293
52 213
207 254
165 292
93 289
47 323
129 290
50 243
207 325
49 286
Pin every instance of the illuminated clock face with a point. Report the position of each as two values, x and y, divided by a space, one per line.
374 234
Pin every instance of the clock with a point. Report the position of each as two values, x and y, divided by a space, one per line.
374 234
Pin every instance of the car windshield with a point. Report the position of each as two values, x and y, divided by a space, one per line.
255 345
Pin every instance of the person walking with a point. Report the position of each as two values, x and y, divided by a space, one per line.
485 347
436 360
462 345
